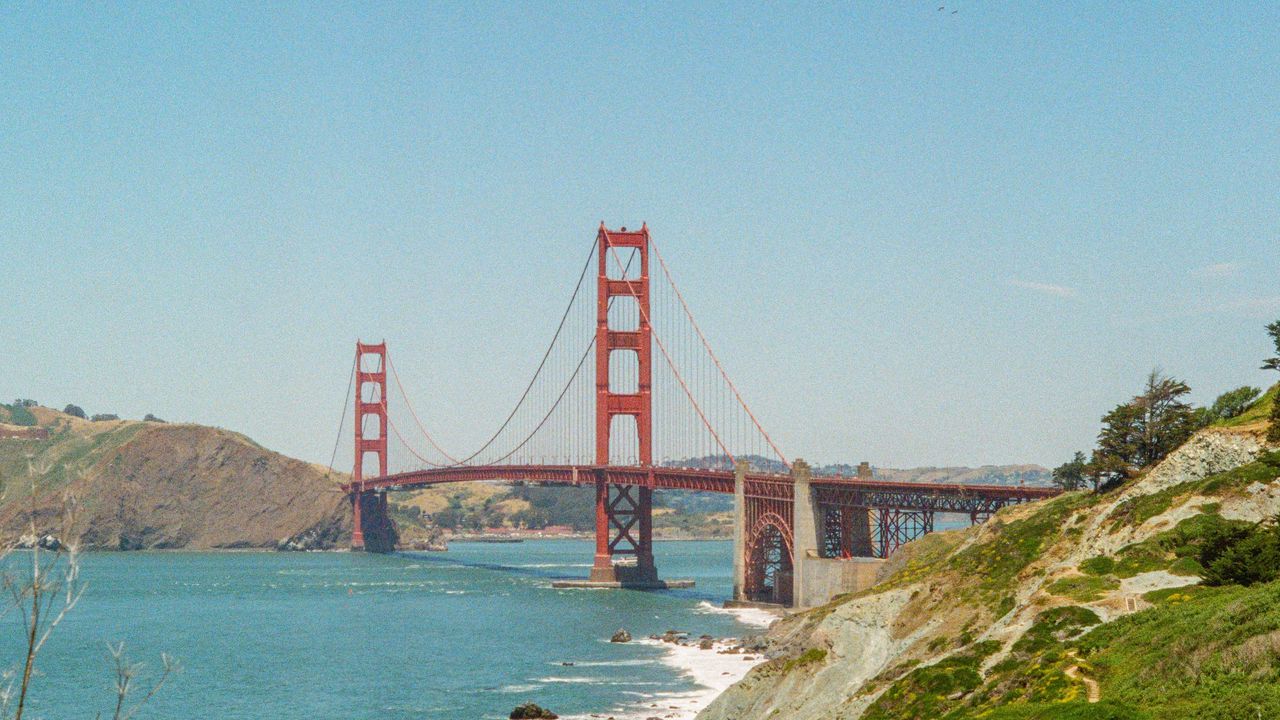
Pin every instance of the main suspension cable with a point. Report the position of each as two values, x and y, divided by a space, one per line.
342 422
572 378
663 348
392 366
541 364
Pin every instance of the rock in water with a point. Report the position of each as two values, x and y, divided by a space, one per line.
621 636
532 711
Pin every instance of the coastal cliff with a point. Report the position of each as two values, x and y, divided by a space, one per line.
152 485
1089 605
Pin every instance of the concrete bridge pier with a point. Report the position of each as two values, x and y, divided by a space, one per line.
740 531
372 528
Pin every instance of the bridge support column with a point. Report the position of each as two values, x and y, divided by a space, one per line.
602 567
372 529
357 529
624 527
805 535
740 530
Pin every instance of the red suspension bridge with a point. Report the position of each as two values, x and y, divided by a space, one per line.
639 424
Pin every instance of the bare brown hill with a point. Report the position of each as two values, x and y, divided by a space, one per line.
144 485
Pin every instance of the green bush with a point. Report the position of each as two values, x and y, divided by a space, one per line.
1244 560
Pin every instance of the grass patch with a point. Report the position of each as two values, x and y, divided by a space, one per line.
1176 550
997 563
1100 565
1034 672
808 657
1200 653
1075 710
1083 588
928 692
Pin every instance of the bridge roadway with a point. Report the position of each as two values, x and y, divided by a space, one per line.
827 489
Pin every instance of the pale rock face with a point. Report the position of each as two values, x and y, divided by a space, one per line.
1203 455
859 637
858 634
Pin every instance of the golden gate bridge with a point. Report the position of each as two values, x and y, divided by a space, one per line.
655 410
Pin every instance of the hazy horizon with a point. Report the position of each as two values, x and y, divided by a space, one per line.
915 238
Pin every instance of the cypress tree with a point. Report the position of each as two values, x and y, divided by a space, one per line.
1273 363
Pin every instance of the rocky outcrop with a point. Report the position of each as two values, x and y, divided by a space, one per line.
622 636
532 711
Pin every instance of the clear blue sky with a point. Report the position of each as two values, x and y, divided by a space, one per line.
915 236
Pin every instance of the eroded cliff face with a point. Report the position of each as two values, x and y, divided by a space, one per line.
972 605
142 485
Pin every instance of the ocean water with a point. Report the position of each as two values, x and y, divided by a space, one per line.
465 634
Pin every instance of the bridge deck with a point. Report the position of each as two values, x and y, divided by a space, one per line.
828 489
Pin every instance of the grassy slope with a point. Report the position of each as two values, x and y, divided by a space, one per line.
1195 652
74 447
1199 652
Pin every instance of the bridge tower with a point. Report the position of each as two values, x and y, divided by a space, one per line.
371 527
624 514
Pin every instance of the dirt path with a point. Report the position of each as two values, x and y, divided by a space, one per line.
1091 685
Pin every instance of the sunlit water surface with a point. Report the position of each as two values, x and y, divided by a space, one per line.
464 634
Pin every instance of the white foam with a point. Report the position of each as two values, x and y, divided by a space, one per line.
608 663
573 680
710 670
755 617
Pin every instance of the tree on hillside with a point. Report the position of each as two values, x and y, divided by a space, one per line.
74 411
1070 475
1167 420
1273 363
1117 456
1141 432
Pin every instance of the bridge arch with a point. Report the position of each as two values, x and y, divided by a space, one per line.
770 560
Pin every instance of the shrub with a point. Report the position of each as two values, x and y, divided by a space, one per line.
104 416
1233 403
74 411
1253 558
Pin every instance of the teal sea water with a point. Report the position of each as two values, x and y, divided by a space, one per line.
465 634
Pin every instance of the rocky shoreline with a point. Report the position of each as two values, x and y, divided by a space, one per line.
713 664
